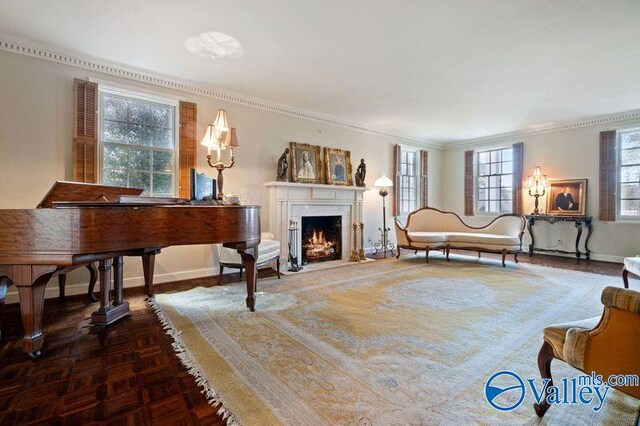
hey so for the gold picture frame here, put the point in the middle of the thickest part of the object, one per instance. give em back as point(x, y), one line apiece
point(567, 197)
point(306, 163)
point(337, 167)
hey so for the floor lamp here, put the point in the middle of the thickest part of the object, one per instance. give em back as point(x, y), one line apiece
point(384, 245)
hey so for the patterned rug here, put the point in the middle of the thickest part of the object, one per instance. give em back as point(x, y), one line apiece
point(389, 342)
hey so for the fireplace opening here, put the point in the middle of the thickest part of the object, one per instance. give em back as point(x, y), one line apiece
point(321, 238)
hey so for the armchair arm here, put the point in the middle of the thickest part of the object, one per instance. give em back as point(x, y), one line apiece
point(402, 236)
point(621, 298)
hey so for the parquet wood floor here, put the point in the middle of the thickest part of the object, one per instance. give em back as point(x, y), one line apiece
point(123, 374)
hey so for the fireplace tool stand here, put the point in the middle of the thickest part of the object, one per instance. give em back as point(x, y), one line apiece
point(384, 245)
point(293, 247)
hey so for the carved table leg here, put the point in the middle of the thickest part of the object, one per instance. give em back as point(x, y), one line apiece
point(31, 282)
point(249, 262)
point(589, 226)
point(530, 224)
point(148, 263)
point(579, 228)
point(93, 279)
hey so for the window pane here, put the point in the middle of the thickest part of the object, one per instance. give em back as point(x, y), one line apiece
point(141, 112)
point(630, 140)
point(403, 168)
point(494, 206)
point(507, 168)
point(114, 177)
point(507, 154)
point(483, 182)
point(114, 107)
point(140, 180)
point(506, 206)
point(114, 131)
point(114, 157)
point(162, 184)
point(630, 190)
point(495, 168)
point(139, 135)
point(494, 194)
point(139, 159)
point(507, 181)
point(505, 193)
point(494, 181)
point(630, 208)
point(162, 138)
point(162, 161)
point(483, 169)
point(630, 174)
point(630, 156)
point(495, 156)
point(482, 194)
point(483, 207)
point(483, 157)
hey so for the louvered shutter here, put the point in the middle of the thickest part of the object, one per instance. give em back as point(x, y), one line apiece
point(85, 132)
point(424, 178)
point(396, 179)
point(608, 173)
point(468, 183)
point(188, 149)
point(518, 158)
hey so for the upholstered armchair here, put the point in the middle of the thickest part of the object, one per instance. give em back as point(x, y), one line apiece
point(631, 265)
point(268, 252)
point(605, 345)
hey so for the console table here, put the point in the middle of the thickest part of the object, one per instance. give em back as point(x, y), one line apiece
point(580, 223)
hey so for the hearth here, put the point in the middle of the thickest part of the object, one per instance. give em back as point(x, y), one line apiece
point(321, 238)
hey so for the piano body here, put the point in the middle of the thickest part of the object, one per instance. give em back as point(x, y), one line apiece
point(81, 223)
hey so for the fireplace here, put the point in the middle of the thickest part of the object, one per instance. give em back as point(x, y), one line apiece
point(321, 238)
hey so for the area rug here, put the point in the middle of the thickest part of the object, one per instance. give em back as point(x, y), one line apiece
point(390, 342)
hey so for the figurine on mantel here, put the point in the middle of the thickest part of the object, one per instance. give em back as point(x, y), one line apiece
point(283, 167)
point(361, 173)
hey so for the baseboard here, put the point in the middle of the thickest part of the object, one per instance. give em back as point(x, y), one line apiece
point(81, 288)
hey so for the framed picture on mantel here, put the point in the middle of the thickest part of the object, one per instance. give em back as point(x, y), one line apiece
point(307, 164)
point(567, 197)
point(337, 163)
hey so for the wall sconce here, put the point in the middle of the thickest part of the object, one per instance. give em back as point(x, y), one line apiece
point(220, 136)
point(537, 184)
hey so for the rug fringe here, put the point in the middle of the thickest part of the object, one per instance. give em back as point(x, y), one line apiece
point(190, 364)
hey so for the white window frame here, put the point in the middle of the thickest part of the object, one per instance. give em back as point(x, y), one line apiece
point(619, 216)
point(120, 90)
point(476, 178)
point(416, 175)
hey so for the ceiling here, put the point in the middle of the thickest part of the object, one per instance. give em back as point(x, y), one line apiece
point(431, 70)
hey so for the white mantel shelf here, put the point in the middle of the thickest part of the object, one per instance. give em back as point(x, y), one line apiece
point(293, 201)
point(315, 186)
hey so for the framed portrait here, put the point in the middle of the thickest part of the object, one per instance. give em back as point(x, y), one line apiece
point(306, 163)
point(337, 165)
point(567, 197)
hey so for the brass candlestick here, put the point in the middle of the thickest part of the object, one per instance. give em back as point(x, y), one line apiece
point(354, 251)
point(361, 251)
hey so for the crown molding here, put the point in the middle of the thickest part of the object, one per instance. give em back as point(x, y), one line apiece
point(46, 52)
point(514, 136)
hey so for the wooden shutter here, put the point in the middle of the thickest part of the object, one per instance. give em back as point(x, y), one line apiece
point(608, 173)
point(468, 183)
point(517, 177)
point(424, 178)
point(85, 132)
point(397, 155)
point(188, 148)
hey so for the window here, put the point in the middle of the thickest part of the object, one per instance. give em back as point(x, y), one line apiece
point(408, 181)
point(495, 181)
point(137, 144)
point(629, 174)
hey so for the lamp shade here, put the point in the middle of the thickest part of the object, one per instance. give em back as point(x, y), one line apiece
point(220, 123)
point(209, 137)
point(383, 182)
point(232, 140)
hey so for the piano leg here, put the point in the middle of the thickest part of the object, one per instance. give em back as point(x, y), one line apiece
point(109, 313)
point(148, 263)
point(31, 282)
point(249, 262)
point(4, 283)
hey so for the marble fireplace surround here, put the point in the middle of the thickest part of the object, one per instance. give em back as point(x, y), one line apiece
point(292, 201)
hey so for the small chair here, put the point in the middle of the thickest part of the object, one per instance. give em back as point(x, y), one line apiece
point(631, 265)
point(605, 345)
point(268, 252)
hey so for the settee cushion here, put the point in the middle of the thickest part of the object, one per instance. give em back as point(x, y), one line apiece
point(427, 237)
point(632, 264)
point(463, 238)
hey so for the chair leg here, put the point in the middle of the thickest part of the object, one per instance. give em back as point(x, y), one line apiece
point(220, 274)
point(240, 274)
point(625, 277)
point(504, 258)
point(447, 251)
point(479, 254)
point(426, 250)
point(398, 254)
point(515, 257)
point(545, 356)
point(278, 266)
point(62, 284)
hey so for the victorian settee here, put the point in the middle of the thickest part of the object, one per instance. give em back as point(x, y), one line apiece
point(432, 229)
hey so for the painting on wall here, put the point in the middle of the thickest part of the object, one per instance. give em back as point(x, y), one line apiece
point(567, 197)
point(337, 164)
point(307, 164)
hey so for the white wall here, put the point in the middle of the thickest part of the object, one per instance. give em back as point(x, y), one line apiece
point(35, 150)
point(567, 154)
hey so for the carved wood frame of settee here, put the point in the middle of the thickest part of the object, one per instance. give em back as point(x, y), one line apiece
point(448, 245)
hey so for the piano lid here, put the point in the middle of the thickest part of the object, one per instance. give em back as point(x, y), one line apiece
point(63, 191)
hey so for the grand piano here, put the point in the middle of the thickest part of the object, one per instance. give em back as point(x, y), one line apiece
point(78, 224)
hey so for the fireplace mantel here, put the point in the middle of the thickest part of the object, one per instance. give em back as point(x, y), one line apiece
point(291, 201)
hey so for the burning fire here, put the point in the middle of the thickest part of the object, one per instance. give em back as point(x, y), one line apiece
point(317, 246)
